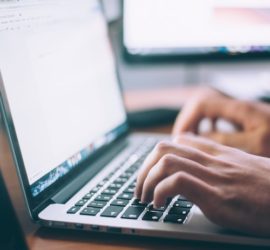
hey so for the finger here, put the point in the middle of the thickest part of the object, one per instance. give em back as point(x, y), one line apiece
point(193, 188)
point(213, 108)
point(162, 149)
point(200, 143)
point(189, 118)
point(169, 165)
point(237, 140)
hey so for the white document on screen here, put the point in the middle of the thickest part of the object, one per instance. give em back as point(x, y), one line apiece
point(59, 75)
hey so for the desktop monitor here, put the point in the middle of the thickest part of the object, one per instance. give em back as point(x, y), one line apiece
point(196, 28)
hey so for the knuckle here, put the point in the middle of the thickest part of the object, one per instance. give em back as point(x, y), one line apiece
point(166, 161)
point(179, 178)
point(163, 169)
point(179, 139)
point(162, 147)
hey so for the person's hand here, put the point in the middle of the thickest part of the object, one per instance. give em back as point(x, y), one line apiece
point(230, 186)
point(252, 120)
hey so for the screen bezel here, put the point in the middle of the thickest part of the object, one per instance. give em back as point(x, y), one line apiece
point(160, 55)
point(36, 203)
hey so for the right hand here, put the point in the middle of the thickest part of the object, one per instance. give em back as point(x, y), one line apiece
point(252, 120)
point(230, 186)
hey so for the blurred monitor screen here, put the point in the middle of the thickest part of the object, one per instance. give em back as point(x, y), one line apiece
point(196, 27)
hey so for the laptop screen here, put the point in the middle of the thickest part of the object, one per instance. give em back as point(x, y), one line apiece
point(61, 84)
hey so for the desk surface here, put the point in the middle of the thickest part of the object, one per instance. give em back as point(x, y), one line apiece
point(42, 238)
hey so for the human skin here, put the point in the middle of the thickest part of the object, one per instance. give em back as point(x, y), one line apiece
point(230, 186)
point(251, 120)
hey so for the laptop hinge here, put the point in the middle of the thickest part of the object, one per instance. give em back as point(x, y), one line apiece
point(90, 171)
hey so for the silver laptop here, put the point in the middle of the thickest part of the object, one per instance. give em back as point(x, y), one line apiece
point(67, 127)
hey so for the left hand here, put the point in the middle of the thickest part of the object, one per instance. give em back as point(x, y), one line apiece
point(230, 186)
point(251, 120)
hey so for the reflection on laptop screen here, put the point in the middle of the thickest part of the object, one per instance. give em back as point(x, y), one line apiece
point(60, 80)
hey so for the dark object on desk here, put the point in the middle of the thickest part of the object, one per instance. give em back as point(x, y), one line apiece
point(152, 117)
point(265, 99)
point(11, 237)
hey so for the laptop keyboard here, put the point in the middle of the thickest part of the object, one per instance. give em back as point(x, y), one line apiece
point(113, 197)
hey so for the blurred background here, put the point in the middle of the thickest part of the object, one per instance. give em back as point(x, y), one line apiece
point(222, 43)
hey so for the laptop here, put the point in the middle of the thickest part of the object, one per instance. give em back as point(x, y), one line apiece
point(11, 238)
point(65, 119)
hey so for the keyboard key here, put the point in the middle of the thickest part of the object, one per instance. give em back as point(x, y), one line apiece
point(125, 196)
point(138, 203)
point(97, 204)
point(130, 190)
point(91, 211)
point(112, 211)
point(152, 216)
point(179, 211)
point(103, 197)
point(132, 172)
point(81, 202)
point(115, 186)
point(121, 180)
point(121, 203)
point(126, 175)
point(132, 185)
point(89, 196)
point(183, 204)
point(73, 210)
point(181, 198)
point(132, 213)
point(103, 182)
point(174, 218)
point(117, 168)
point(96, 189)
point(109, 191)
point(132, 169)
point(111, 174)
point(160, 209)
